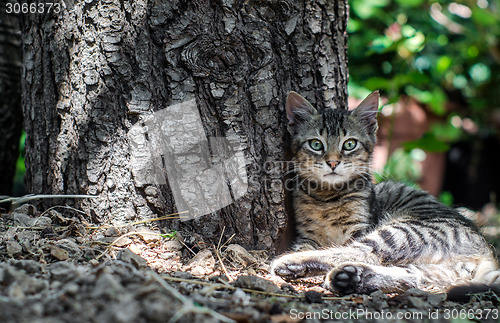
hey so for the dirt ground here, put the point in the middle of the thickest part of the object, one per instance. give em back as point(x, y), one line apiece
point(56, 267)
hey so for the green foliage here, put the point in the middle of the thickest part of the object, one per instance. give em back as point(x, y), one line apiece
point(403, 166)
point(425, 49)
point(170, 235)
point(428, 50)
point(20, 167)
point(446, 198)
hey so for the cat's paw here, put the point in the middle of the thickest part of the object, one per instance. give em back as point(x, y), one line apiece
point(349, 279)
point(298, 265)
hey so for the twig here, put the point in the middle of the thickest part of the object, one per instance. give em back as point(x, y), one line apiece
point(188, 304)
point(217, 253)
point(112, 244)
point(192, 281)
point(182, 243)
point(165, 217)
point(63, 207)
point(29, 197)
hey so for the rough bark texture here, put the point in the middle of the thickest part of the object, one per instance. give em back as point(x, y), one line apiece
point(10, 98)
point(100, 67)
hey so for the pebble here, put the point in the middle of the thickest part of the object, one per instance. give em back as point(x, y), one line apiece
point(13, 248)
point(417, 302)
point(239, 255)
point(202, 264)
point(59, 253)
point(128, 256)
point(147, 234)
point(111, 232)
point(41, 222)
point(23, 220)
point(27, 209)
point(256, 283)
point(313, 297)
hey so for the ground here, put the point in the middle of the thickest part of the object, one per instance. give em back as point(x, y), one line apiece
point(56, 267)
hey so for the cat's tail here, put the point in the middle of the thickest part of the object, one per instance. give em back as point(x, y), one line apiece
point(487, 284)
point(465, 293)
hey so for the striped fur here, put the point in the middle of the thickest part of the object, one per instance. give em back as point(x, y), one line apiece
point(368, 237)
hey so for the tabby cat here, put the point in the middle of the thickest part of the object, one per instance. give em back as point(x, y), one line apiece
point(368, 237)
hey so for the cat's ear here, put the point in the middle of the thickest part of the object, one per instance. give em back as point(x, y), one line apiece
point(366, 111)
point(298, 109)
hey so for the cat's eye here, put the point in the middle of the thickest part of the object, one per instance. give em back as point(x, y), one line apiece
point(350, 144)
point(316, 144)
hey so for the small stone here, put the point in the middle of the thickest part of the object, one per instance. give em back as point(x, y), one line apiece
point(30, 266)
point(182, 275)
point(256, 283)
point(379, 300)
point(173, 245)
point(107, 285)
point(288, 288)
point(27, 209)
point(59, 253)
point(10, 234)
point(436, 300)
point(62, 271)
point(313, 297)
point(240, 297)
point(23, 220)
point(415, 292)
point(147, 234)
point(417, 302)
point(16, 291)
point(136, 248)
point(59, 218)
point(71, 288)
point(73, 249)
point(41, 221)
point(13, 248)
point(122, 242)
point(127, 255)
point(111, 232)
point(202, 264)
point(239, 255)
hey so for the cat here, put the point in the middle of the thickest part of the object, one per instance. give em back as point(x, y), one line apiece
point(364, 236)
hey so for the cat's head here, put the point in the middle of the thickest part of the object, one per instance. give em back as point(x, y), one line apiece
point(332, 148)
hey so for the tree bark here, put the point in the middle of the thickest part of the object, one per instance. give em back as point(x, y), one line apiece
point(10, 99)
point(97, 73)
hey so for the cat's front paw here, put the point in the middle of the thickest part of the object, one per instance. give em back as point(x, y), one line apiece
point(349, 279)
point(298, 265)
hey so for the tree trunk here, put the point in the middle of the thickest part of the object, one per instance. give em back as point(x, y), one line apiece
point(10, 98)
point(119, 93)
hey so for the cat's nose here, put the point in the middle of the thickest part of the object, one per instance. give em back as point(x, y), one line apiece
point(333, 163)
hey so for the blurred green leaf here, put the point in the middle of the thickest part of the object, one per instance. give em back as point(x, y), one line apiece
point(415, 42)
point(443, 63)
point(446, 132)
point(484, 17)
point(410, 3)
point(435, 98)
point(446, 198)
point(367, 8)
point(428, 143)
point(353, 25)
point(381, 44)
point(402, 167)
